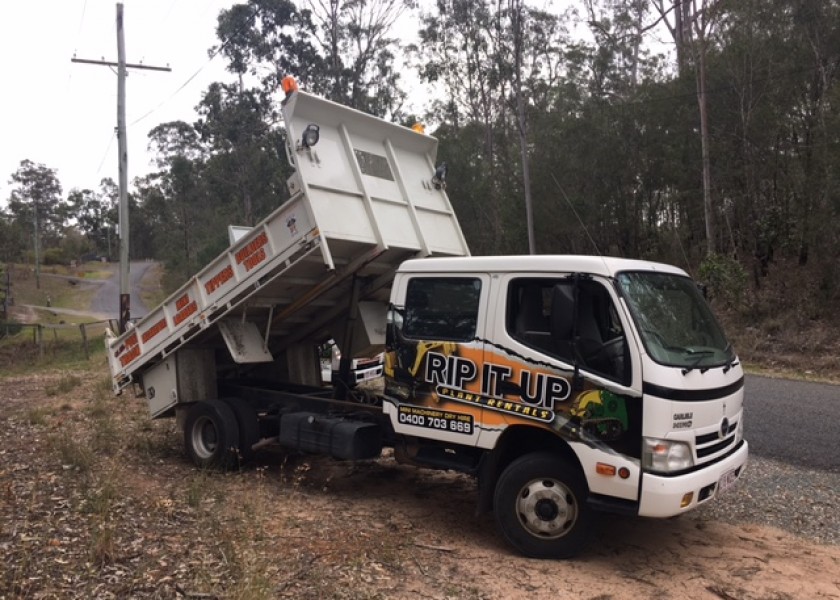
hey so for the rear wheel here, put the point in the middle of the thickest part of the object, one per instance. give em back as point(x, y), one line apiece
point(248, 425)
point(540, 506)
point(211, 435)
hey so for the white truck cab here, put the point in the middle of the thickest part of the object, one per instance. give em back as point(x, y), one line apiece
point(611, 374)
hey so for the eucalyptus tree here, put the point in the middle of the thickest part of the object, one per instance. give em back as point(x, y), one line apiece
point(606, 143)
point(91, 213)
point(693, 31)
point(814, 122)
point(36, 203)
point(495, 64)
point(246, 166)
point(777, 76)
point(12, 239)
point(341, 49)
point(180, 190)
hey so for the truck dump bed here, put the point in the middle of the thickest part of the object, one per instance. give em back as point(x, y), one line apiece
point(363, 201)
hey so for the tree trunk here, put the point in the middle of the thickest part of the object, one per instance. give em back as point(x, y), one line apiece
point(516, 16)
point(704, 145)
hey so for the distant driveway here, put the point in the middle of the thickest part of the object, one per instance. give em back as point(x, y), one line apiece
point(106, 301)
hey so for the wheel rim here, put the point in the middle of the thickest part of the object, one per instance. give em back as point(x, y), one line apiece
point(205, 437)
point(546, 508)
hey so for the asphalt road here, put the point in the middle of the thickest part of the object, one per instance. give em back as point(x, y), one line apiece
point(794, 422)
point(106, 301)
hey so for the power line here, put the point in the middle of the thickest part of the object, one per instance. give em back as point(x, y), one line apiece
point(175, 93)
point(81, 22)
point(168, 13)
point(107, 149)
point(76, 43)
point(180, 88)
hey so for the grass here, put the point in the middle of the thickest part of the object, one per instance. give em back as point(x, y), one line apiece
point(62, 348)
point(196, 489)
point(64, 385)
point(73, 453)
point(103, 546)
point(100, 497)
point(59, 286)
point(38, 415)
point(62, 342)
point(152, 291)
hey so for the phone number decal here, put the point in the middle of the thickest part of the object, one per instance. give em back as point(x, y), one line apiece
point(436, 419)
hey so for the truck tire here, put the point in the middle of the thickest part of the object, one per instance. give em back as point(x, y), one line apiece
point(211, 435)
point(248, 425)
point(540, 506)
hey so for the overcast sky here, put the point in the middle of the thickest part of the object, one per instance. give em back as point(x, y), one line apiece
point(64, 114)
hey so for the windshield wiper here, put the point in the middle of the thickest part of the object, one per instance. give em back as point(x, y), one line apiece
point(729, 365)
point(700, 355)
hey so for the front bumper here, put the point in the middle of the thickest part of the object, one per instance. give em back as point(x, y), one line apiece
point(662, 496)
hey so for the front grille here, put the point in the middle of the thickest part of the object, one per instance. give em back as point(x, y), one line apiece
point(709, 450)
point(709, 444)
point(708, 438)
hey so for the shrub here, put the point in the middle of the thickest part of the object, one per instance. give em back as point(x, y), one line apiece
point(9, 328)
point(725, 277)
point(53, 256)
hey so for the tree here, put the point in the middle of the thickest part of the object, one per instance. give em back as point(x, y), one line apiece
point(692, 30)
point(179, 181)
point(36, 199)
point(353, 37)
point(12, 238)
point(497, 64)
point(95, 217)
point(242, 152)
point(339, 49)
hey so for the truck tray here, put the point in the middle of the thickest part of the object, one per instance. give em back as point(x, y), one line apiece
point(363, 201)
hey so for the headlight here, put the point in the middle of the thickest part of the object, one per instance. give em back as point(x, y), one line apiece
point(665, 456)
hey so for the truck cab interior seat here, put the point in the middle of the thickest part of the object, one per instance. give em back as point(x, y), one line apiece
point(531, 325)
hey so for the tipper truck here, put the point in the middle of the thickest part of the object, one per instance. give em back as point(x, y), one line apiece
point(566, 385)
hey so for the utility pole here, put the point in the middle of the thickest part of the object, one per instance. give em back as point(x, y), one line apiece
point(125, 292)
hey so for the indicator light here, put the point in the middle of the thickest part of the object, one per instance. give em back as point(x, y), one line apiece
point(605, 469)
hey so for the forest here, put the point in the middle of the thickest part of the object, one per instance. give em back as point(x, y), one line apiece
point(702, 133)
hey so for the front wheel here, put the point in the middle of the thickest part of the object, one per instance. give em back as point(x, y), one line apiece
point(540, 506)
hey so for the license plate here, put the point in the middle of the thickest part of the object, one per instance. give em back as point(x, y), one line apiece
point(727, 480)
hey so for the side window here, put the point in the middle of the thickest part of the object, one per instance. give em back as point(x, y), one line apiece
point(529, 313)
point(442, 308)
point(571, 319)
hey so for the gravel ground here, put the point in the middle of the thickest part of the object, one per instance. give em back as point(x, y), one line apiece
point(793, 498)
point(96, 501)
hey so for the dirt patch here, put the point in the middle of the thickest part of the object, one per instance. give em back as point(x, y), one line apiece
point(98, 501)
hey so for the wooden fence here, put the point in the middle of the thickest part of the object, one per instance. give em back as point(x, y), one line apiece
point(42, 337)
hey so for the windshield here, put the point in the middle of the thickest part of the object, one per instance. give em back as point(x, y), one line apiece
point(675, 323)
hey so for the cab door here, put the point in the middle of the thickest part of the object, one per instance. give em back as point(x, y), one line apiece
point(572, 327)
point(433, 366)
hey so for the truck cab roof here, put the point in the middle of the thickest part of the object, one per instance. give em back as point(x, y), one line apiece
point(548, 263)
